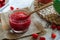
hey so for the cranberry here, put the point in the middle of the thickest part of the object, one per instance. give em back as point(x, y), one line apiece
point(42, 38)
point(58, 27)
point(53, 35)
point(35, 35)
point(11, 8)
point(53, 26)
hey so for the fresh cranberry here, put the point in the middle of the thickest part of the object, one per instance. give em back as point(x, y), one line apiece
point(35, 35)
point(53, 26)
point(53, 35)
point(11, 8)
point(58, 27)
point(42, 38)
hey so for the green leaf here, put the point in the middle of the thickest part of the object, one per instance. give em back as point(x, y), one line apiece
point(57, 5)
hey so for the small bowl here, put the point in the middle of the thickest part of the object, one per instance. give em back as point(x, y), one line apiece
point(6, 4)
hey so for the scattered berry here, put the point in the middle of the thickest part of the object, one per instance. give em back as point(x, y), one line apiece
point(53, 35)
point(53, 26)
point(11, 8)
point(35, 35)
point(58, 27)
point(42, 38)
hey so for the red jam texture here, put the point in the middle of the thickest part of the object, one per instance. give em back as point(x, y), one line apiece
point(53, 35)
point(44, 1)
point(11, 8)
point(2, 3)
point(53, 26)
point(18, 22)
point(42, 38)
point(35, 35)
point(58, 27)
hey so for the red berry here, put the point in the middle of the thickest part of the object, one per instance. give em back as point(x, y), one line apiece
point(35, 35)
point(58, 27)
point(53, 26)
point(53, 35)
point(42, 38)
point(11, 8)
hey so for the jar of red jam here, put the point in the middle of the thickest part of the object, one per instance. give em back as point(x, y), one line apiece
point(19, 21)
